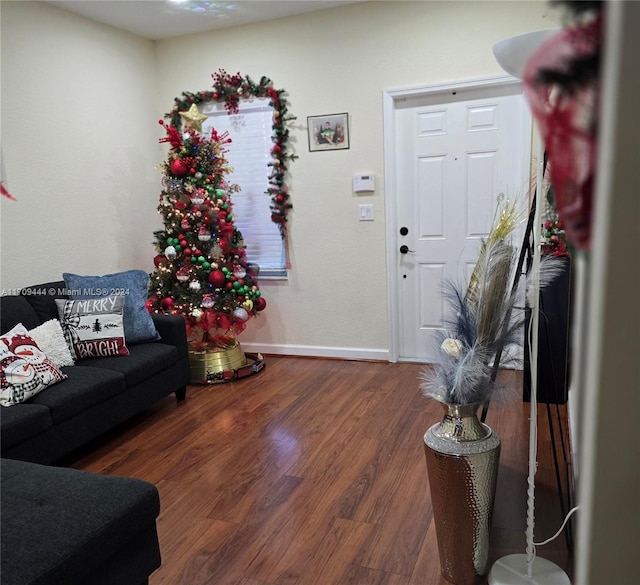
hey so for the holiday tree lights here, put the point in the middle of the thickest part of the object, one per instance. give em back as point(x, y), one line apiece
point(201, 270)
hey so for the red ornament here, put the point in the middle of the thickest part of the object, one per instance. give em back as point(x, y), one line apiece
point(259, 303)
point(178, 167)
point(217, 278)
point(158, 260)
point(151, 301)
point(167, 303)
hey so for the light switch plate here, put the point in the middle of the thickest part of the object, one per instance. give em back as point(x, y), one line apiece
point(366, 212)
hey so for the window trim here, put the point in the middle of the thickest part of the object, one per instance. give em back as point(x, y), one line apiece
point(230, 89)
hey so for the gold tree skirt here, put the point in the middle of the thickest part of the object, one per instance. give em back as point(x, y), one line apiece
point(213, 365)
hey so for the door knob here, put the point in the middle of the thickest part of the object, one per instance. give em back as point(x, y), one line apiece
point(404, 249)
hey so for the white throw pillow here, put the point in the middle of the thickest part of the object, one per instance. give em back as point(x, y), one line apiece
point(50, 339)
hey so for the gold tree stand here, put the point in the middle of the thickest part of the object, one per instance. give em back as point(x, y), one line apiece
point(214, 365)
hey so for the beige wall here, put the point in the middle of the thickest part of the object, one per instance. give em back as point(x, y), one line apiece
point(76, 136)
point(82, 160)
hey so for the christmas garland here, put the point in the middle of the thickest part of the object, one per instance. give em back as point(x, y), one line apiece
point(230, 89)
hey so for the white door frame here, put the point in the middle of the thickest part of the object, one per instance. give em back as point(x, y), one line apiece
point(389, 99)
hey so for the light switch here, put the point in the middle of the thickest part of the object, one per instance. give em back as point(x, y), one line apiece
point(366, 212)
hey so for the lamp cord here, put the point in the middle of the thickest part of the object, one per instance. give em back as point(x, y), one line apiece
point(566, 519)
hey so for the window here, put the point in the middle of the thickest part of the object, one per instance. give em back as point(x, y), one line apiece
point(249, 154)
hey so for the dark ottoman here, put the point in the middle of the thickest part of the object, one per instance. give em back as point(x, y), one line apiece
point(67, 527)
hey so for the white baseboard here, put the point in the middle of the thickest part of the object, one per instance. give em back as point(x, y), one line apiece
point(345, 353)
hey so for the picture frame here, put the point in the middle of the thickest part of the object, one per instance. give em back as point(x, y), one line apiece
point(328, 132)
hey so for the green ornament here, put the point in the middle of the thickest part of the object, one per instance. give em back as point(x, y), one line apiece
point(224, 269)
point(206, 265)
point(224, 206)
point(229, 217)
point(193, 259)
point(219, 192)
point(257, 293)
point(201, 259)
point(236, 285)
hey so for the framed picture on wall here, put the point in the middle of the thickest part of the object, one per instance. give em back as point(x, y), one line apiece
point(328, 132)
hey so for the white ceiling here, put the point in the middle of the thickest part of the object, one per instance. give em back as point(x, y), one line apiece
point(162, 19)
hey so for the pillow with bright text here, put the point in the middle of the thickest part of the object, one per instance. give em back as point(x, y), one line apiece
point(25, 370)
point(132, 285)
point(50, 339)
point(93, 327)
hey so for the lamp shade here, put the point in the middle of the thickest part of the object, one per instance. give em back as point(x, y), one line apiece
point(513, 53)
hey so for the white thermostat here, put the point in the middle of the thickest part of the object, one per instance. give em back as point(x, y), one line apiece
point(363, 183)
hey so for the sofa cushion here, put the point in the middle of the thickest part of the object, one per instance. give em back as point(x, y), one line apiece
point(93, 327)
point(25, 369)
point(69, 522)
point(22, 423)
point(16, 309)
point(144, 360)
point(42, 297)
point(133, 285)
point(83, 388)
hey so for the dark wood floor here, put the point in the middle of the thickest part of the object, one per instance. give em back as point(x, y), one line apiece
point(313, 473)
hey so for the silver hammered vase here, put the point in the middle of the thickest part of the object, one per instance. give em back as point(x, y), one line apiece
point(462, 462)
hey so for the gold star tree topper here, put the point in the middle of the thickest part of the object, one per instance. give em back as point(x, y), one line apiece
point(193, 118)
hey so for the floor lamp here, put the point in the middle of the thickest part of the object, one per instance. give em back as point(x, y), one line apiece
point(528, 569)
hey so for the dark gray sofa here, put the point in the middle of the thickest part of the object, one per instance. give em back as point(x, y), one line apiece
point(63, 526)
point(99, 392)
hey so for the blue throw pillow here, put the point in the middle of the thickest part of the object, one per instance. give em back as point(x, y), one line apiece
point(133, 285)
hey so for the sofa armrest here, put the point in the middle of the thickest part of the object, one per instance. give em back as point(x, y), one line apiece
point(172, 329)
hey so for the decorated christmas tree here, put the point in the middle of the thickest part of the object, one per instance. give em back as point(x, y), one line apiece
point(201, 271)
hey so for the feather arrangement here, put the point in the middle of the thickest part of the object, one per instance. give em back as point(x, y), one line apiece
point(484, 317)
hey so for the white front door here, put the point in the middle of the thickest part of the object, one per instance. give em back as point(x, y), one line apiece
point(454, 154)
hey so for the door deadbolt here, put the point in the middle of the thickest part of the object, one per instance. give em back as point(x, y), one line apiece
point(404, 231)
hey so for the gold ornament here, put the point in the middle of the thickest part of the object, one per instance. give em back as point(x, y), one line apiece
point(193, 118)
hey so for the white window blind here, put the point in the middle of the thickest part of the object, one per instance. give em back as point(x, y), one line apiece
point(249, 153)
